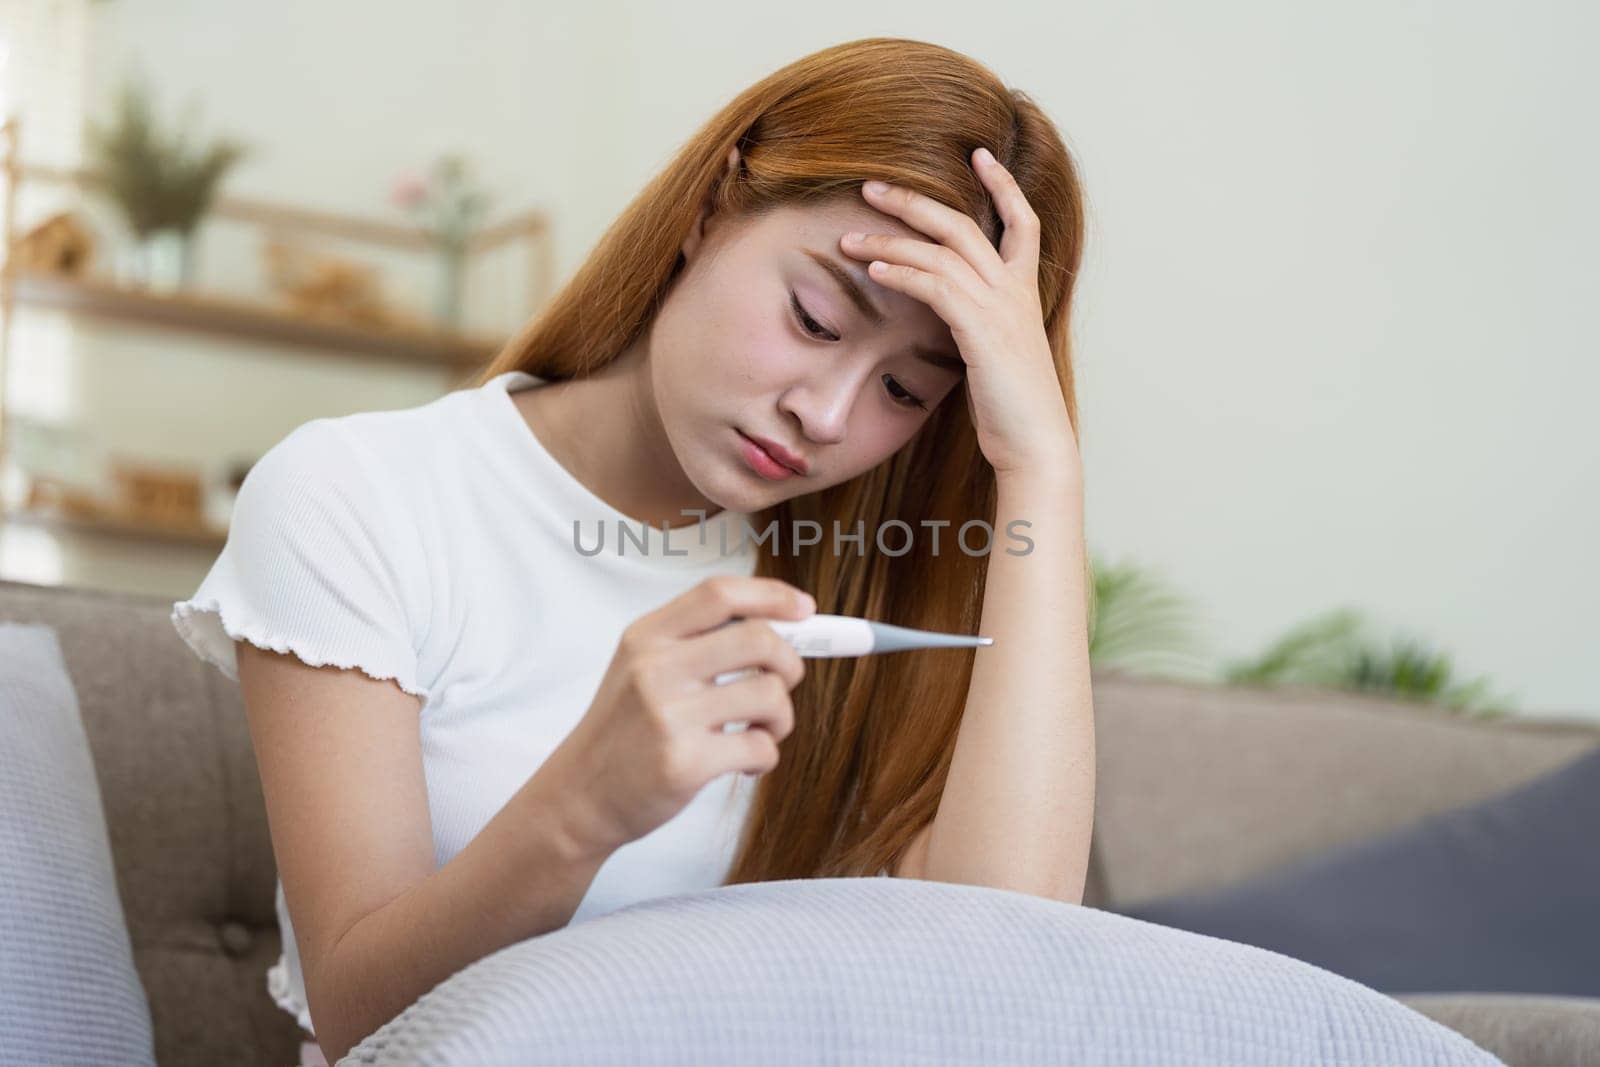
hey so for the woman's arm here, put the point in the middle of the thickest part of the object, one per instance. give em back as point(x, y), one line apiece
point(1018, 806)
point(377, 923)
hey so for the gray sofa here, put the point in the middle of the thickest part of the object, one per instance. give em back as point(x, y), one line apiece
point(1197, 787)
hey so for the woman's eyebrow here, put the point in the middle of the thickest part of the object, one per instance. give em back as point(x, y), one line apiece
point(857, 295)
point(853, 289)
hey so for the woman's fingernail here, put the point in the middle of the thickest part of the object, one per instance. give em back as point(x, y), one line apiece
point(984, 156)
point(876, 187)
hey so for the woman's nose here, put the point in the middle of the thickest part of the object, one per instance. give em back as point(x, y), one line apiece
point(823, 405)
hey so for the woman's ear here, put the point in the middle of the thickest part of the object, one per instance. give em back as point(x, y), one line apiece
point(702, 221)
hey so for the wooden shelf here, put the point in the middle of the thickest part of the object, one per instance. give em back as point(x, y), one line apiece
point(239, 316)
point(194, 534)
point(213, 315)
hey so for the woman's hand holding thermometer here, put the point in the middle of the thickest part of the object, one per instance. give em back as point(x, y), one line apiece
point(655, 733)
point(685, 682)
point(826, 636)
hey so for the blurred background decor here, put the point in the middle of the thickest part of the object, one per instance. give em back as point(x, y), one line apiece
point(74, 477)
point(61, 244)
point(1342, 649)
point(325, 285)
point(130, 410)
point(1141, 625)
point(161, 183)
point(451, 207)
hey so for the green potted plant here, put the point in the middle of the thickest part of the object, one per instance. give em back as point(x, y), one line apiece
point(1339, 649)
point(1139, 624)
point(162, 185)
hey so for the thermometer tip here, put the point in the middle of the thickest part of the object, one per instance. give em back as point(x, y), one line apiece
point(985, 640)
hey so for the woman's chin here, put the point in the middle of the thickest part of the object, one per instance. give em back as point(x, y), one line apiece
point(744, 498)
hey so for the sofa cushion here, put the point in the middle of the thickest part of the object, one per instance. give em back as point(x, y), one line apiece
point(1520, 1028)
point(69, 992)
point(897, 970)
point(1499, 896)
point(1201, 786)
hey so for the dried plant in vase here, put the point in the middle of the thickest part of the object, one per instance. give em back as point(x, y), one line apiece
point(161, 184)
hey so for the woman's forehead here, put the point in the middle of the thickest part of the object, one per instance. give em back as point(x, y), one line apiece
point(827, 221)
point(817, 227)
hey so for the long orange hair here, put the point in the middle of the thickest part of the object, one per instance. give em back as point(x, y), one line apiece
point(873, 736)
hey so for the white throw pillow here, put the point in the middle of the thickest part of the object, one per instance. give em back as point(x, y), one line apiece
point(898, 970)
point(69, 992)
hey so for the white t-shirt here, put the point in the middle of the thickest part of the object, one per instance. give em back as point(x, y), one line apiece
point(435, 545)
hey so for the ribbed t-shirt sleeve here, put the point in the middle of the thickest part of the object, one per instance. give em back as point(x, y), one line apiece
point(315, 564)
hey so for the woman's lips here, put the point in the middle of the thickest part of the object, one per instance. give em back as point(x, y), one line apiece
point(761, 461)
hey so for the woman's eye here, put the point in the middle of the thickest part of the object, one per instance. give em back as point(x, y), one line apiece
point(811, 326)
point(807, 323)
point(903, 398)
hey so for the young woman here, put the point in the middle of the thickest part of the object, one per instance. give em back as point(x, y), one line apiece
point(772, 389)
